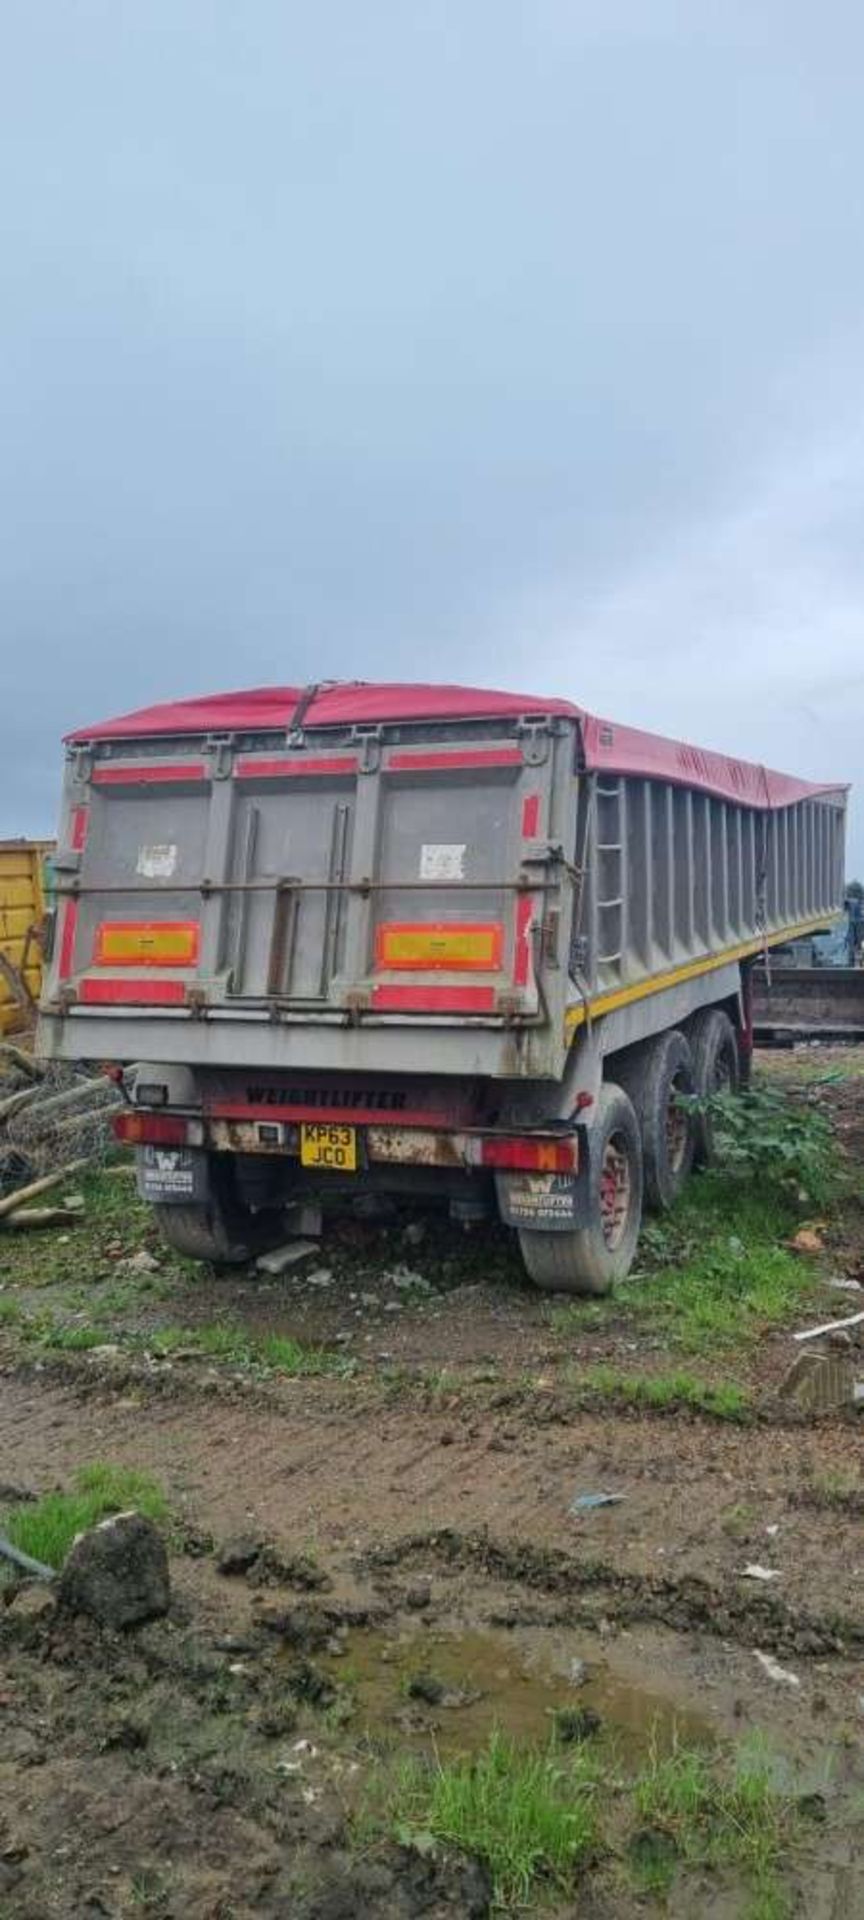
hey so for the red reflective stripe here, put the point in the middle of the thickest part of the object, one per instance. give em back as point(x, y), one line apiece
point(441, 762)
point(522, 957)
point(530, 815)
point(67, 939)
point(331, 1116)
point(158, 993)
point(433, 999)
point(248, 768)
point(78, 828)
point(181, 771)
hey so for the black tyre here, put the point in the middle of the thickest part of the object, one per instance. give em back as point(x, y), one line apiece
point(658, 1077)
point(200, 1232)
point(716, 1069)
point(590, 1259)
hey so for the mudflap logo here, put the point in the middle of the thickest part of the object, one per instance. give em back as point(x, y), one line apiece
point(170, 1173)
point(538, 1199)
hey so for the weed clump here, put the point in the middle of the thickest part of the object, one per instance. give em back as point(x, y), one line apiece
point(46, 1528)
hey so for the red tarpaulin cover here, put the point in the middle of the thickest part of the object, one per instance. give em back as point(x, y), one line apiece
point(606, 745)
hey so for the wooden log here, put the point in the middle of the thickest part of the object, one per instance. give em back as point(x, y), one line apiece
point(15, 1101)
point(24, 1061)
point(82, 1123)
point(44, 1217)
point(12, 1201)
point(90, 1093)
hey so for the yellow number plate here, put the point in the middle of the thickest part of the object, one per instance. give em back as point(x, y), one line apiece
point(333, 1147)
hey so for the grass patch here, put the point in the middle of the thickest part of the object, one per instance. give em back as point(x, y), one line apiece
point(717, 1272)
point(538, 1817)
point(838, 1490)
point(717, 1813)
point(666, 1392)
point(225, 1341)
point(529, 1815)
point(70, 1339)
point(46, 1528)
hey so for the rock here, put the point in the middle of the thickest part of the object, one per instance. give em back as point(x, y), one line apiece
point(407, 1282)
point(807, 1240)
point(419, 1596)
point(12, 1495)
point(281, 1258)
point(818, 1381)
point(277, 1720)
point(321, 1278)
point(428, 1688)
point(141, 1262)
point(126, 1735)
point(117, 1572)
point(302, 1627)
point(575, 1724)
point(239, 1553)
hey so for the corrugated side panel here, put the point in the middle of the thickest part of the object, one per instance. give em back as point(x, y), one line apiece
point(675, 878)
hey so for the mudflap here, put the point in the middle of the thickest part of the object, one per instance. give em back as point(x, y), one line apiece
point(177, 1176)
point(555, 1202)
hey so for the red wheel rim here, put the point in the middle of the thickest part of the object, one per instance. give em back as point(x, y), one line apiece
point(615, 1191)
point(677, 1126)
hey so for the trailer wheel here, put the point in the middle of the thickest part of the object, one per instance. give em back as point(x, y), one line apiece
point(590, 1259)
point(200, 1232)
point(656, 1077)
point(716, 1069)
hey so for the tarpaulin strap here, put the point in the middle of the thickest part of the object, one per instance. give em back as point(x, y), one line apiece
point(308, 696)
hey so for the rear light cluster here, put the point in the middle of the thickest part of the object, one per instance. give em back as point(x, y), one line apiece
point(527, 1155)
point(136, 1129)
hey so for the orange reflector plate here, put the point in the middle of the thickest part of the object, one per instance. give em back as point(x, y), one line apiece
point(449, 945)
point(147, 943)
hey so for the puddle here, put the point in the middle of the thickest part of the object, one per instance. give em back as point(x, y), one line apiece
point(454, 1688)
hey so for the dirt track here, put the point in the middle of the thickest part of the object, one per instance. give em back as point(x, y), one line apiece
point(387, 1483)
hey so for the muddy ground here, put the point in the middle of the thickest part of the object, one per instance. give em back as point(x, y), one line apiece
point(407, 1514)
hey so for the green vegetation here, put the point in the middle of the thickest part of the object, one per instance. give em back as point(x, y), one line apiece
point(779, 1142)
point(664, 1392)
point(719, 1271)
point(227, 1341)
point(216, 1340)
point(75, 1339)
point(714, 1274)
point(46, 1528)
point(710, 1813)
point(528, 1815)
point(539, 1817)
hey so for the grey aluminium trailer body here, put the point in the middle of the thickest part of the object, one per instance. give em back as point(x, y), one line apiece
point(406, 939)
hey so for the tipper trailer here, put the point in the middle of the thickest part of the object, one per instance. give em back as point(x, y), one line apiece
point(420, 941)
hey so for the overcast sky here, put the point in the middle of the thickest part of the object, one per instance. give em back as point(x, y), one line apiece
point(518, 343)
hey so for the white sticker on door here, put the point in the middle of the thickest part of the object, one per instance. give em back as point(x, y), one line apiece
point(439, 862)
point(156, 863)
